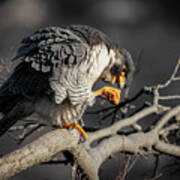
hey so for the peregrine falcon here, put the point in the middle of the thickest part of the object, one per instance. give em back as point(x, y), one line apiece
point(56, 71)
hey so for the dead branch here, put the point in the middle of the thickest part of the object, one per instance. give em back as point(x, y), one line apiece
point(40, 150)
point(91, 158)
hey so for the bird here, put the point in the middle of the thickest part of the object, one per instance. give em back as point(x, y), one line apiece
point(57, 68)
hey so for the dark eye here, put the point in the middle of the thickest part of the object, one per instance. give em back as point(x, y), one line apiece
point(116, 69)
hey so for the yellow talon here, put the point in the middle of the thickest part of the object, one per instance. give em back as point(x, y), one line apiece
point(112, 94)
point(77, 126)
point(81, 130)
point(98, 92)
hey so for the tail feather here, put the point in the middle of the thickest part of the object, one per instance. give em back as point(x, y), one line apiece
point(6, 123)
point(15, 110)
point(7, 103)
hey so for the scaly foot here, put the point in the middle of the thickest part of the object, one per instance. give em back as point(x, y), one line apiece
point(77, 126)
point(112, 94)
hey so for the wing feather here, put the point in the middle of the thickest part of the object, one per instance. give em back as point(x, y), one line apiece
point(49, 48)
point(43, 57)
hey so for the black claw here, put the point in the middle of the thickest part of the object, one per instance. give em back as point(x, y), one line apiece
point(81, 139)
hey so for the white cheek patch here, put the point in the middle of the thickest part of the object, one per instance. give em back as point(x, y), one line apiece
point(103, 59)
point(100, 59)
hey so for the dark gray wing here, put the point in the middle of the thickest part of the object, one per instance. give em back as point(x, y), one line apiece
point(27, 82)
point(42, 56)
point(49, 48)
point(24, 82)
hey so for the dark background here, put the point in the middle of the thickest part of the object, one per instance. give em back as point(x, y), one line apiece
point(152, 27)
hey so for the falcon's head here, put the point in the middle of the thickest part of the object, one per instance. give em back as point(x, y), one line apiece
point(121, 69)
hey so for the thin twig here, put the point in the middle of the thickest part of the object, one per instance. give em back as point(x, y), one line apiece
point(172, 78)
point(166, 118)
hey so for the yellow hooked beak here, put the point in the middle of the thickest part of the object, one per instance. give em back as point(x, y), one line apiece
point(120, 80)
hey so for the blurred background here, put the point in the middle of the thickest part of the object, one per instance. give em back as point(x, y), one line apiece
point(152, 27)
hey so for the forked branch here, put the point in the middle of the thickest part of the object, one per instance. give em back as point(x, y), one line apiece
point(108, 140)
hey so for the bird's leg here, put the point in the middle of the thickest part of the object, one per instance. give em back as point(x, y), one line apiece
point(77, 126)
point(112, 94)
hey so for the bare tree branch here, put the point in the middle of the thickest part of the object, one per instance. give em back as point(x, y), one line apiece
point(37, 152)
point(90, 159)
point(168, 148)
point(108, 141)
point(166, 118)
point(121, 124)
